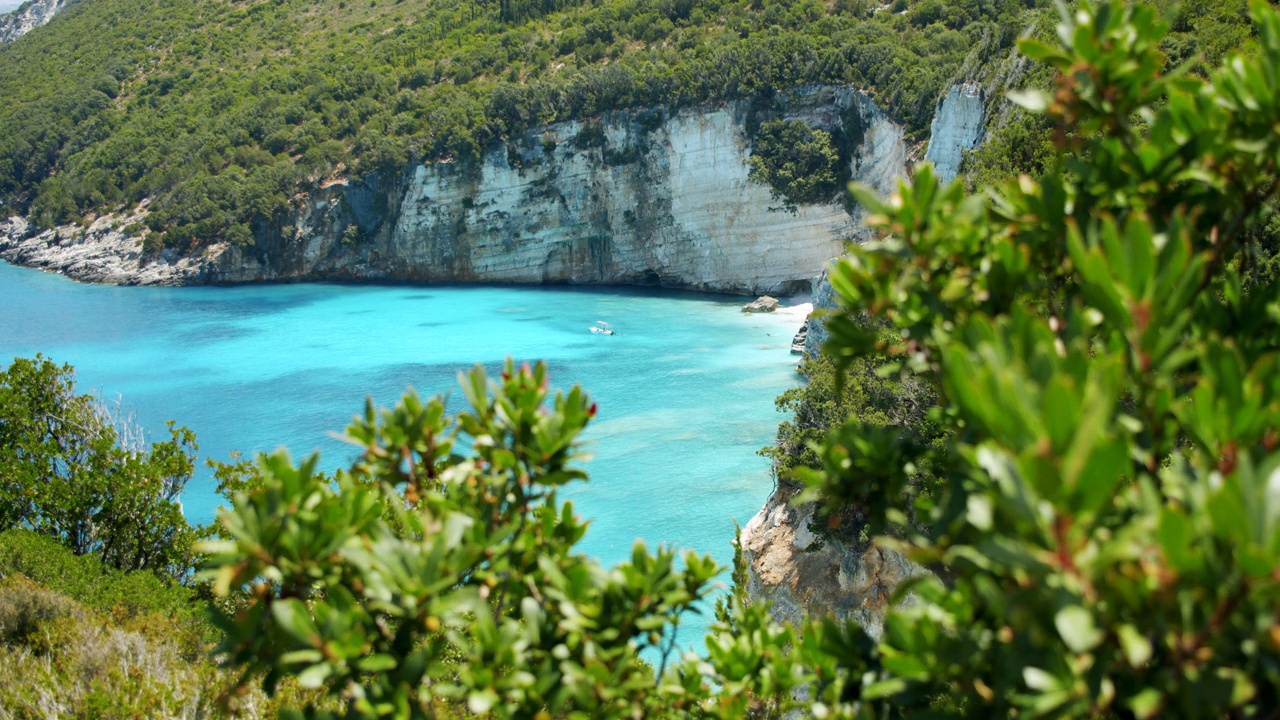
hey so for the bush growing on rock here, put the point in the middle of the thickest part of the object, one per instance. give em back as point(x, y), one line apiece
point(800, 163)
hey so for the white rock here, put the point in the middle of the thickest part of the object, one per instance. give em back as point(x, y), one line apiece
point(957, 128)
point(28, 17)
point(669, 203)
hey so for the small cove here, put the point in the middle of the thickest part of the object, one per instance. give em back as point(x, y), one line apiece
point(685, 391)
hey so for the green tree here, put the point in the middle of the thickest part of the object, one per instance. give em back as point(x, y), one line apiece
point(71, 470)
point(800, 163)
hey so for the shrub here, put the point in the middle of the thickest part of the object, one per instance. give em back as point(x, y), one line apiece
point(1106, 516)
point(71, 470)
point(800, 163)
point(25, 607)
point(94, 585)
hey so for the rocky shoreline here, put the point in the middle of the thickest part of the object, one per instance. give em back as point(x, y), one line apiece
point(100, 253)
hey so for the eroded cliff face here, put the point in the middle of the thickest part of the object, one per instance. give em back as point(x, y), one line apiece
point(633, 198)
point(805, 573)
point(638, 197)
point(28, 17)
point(957, 128)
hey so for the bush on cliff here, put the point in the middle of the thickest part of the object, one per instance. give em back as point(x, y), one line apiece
point(800, 163)
point(1108, 513)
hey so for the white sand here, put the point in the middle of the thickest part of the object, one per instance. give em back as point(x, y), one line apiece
point(797, 306)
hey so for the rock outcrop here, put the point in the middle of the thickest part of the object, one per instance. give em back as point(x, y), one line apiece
point(99, 253)
point(803, 572)
point(762, 304)
point(638, 197)
point(957, 128)
point(28, 17)
point(824, 301)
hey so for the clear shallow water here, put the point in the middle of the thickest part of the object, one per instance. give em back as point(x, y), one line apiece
point(685, 393)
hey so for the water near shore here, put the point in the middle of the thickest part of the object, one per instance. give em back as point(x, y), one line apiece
point(685, 391)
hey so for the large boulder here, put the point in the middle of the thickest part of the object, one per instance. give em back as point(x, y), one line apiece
point(764, 303)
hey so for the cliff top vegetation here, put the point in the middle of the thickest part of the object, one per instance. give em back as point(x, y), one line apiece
point(219, 111)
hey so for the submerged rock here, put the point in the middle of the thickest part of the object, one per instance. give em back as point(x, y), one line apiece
point(762, 304)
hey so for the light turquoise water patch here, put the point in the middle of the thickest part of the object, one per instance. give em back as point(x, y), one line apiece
point(685, 392)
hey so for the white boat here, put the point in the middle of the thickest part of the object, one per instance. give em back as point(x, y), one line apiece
point(602, 328)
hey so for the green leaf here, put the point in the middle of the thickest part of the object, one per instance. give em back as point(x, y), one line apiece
point(295, 619)
point(1036, 101)
point(1076, 626)
point(1137, 649)
point(314, 676)
point(1146, 703)
point(1038, 679)
point(377, 663)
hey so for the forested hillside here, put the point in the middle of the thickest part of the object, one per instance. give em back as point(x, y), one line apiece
point(218, 111)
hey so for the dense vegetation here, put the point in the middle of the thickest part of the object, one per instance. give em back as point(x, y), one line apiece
point(801, 163)
point(219, 111)
point(81, 639)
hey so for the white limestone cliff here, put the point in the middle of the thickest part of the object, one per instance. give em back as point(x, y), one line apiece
point(28, 17)
point(638, 197)
point(957, 128)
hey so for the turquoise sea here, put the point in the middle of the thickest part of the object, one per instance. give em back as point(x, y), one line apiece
point(685, 391)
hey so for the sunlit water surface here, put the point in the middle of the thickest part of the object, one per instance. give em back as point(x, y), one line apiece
point(685, 392)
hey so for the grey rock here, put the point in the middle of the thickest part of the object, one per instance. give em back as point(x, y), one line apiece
point(807, 574)
point(99, 253)
point(663, 199)
point(762, 304)
point(957, 128)
point(824, 303)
